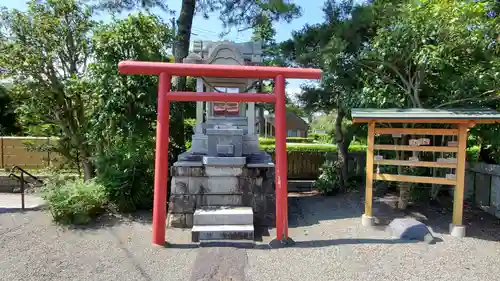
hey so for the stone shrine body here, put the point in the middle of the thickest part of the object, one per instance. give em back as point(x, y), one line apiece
point(224, 184)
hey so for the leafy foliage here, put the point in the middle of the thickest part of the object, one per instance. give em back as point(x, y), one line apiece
point(267, 141)
point(8, 122)
point(124, 121)
point(74, 201)
point(45, 52)
point(126, 171)
point(301, 147)
point(322, 138)
point(328, 182)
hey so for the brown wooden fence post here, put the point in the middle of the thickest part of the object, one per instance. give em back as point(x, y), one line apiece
point(1, 144)
point(48, 152)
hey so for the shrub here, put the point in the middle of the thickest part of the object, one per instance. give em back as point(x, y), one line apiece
point(127, 172)
point(267, 141)
point(74, 201)
point(328, 182)
point(299, 140)
point(313, 148)
point(322, 138)
point(473, 153)
point(272, 141)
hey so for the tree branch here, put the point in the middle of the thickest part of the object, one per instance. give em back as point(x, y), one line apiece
point(471, 98)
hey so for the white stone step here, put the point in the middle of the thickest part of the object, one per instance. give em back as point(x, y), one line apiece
point(222, 232)
point(225, 215)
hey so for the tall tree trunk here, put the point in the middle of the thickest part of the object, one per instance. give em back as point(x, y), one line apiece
point(183, 38)
point(88, 166)
point(342, 161)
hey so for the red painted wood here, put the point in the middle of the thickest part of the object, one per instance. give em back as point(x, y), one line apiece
point(281, 162)
point(231, 97)
point(216, 70)
point(161, 162)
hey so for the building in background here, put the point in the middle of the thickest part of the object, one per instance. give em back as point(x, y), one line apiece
point(296, 126)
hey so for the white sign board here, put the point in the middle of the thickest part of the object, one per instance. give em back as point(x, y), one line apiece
point(414, 159)
point(414, 142)
point(425, 141)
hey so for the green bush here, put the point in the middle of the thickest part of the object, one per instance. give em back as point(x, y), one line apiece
point(328, 182)
point(299, 140)
point(472, 152)
point(322, 138)
point(74, 201)
point(127, 172)
point(267, 141)
point(272, 141)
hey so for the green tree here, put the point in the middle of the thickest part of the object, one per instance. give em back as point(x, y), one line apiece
point(335, 46)
point(45, 52)
point(435, 54)
point(124, 120)
point(232, 13)
point(8, 122)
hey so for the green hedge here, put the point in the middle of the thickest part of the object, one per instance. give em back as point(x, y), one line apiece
point(472, 152)
point(314, 148)
point(272, 141)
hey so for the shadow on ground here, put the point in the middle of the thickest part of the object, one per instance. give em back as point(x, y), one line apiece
point(438, 215)
point(19, 210)
point(111, 219)
point(298, 244)
point(312, 208)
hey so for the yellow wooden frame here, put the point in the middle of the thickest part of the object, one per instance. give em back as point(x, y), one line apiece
point(460, 150)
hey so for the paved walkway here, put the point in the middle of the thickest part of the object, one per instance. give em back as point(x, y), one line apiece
point(12, 201)
point(331, 245)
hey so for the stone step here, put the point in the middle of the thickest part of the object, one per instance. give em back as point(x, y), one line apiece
point(224, 215)
point(222, 232)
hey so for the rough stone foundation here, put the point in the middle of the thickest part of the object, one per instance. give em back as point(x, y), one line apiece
point(194, 187)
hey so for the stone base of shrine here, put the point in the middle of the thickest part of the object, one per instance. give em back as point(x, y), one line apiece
point(196, 186)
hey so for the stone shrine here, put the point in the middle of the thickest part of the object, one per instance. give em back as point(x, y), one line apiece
point(223, 185)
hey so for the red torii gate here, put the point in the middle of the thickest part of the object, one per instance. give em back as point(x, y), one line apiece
point(165, 71)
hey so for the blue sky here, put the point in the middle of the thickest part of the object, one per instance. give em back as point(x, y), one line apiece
point(210, 29)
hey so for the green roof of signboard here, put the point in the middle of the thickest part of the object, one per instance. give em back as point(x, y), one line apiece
point(476, 114)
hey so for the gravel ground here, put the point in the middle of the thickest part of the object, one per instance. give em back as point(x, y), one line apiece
point(330, 245)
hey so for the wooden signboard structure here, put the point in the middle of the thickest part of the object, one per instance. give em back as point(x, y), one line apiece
point(460, 120)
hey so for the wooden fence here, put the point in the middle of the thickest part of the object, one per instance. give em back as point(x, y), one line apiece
point(19, 151)
point(307, 165)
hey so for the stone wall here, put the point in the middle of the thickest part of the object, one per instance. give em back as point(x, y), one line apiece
point(194, 187)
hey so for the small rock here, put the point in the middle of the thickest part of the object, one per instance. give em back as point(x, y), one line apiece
point(410, 229)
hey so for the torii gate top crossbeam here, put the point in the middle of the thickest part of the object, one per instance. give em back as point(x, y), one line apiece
point(216, 70)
